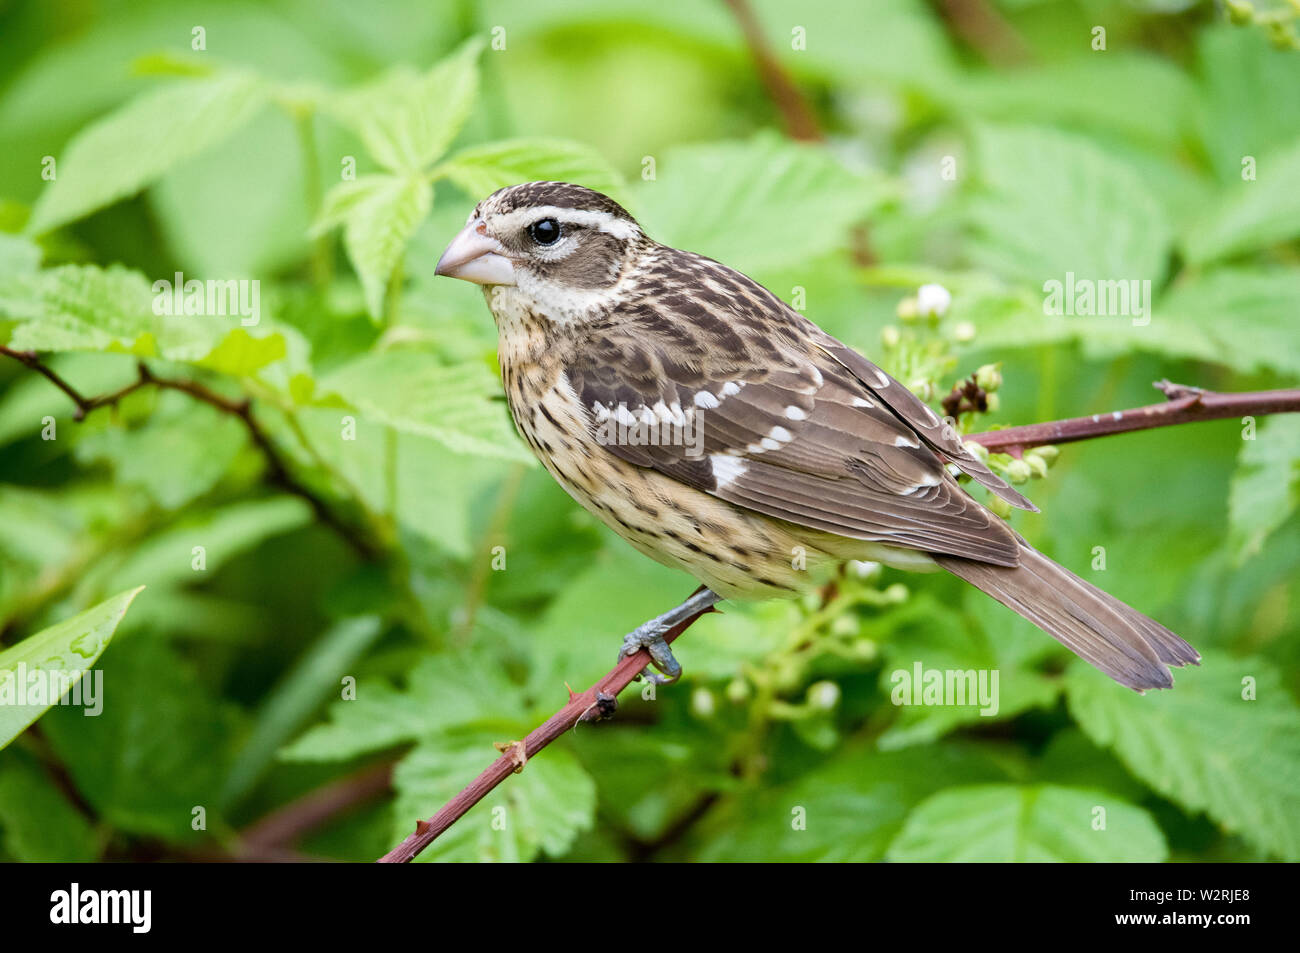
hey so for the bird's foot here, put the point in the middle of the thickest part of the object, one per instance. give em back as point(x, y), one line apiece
point(650, 636)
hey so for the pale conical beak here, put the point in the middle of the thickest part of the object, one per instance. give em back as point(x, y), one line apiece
point(475, 256)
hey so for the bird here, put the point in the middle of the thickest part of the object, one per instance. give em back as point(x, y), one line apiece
point(719, 431)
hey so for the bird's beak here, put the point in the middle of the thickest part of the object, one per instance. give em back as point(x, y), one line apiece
point(475, 256)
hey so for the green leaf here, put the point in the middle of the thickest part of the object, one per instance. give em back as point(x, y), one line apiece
point(38, 823)
point(1086, 92)
point(18, 255)
point(943, 641)
point(88, 308)
point(763, 203)
point(167, 558)
point(68, 648)
point(541, 809)
point(1004, 823)
point(1251, 214)
point(313, 678)
point(1248, 101)
point(442, 692)
point(127, 150)
point(407, 119)
point(159, 749)
point(481, 170)
point(240, 354)
point(1205, 746)
point(1243, 318)
point(379, 214)
point(1265, 490)
point(406, 389)
point(847, 810)
point(80, 307)
point(176, 455)
point(1103, 223)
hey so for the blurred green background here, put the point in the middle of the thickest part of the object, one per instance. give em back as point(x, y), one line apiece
point(985, 146)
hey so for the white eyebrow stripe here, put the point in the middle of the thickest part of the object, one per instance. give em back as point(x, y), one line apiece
point(601, 221)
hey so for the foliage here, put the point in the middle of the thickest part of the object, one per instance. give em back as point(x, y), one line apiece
point(454, 589)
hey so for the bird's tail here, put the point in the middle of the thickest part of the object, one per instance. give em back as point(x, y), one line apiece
point(1119, 640)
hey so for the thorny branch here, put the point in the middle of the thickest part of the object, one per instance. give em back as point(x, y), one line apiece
point(1184, 405)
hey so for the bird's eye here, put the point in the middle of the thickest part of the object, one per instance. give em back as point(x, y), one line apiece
point(545, 232)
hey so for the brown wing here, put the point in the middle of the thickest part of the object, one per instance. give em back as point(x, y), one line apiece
point(768, 419)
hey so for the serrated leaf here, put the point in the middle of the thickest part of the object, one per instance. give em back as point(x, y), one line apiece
point(1251, 214)
point(408, 390)
point(847, 810)
point(481, 170)
point(1103, 224)
point(1265, 490)
point(178, 454)
point(407, 119)
point(442, 692)
point(88, 308)
point(541, 809)
point(1004, 823)
point(1243, 318)
point(69, 647)
point(762, 203)
point(379, 214)
point(79, 307)
point(127, 150)
point(1205, 746)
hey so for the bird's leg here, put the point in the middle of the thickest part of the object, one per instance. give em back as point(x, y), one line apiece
point(650, 636)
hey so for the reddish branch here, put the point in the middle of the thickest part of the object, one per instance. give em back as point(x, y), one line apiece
point(594, 704)
point(290, 822)
point(278, 473)
point(1185, 405)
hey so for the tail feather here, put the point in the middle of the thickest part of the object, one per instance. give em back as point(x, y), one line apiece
point(1129, 647)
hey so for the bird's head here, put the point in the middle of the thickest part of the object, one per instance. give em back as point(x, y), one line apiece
point(544, 238)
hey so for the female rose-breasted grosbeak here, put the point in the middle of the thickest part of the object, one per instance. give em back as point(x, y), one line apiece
point(786, 450)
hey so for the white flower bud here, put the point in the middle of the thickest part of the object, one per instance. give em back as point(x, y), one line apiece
point(737, 691)
point(823, 695)
point(703, 703)
point(989, 377)
point(1018, 471)
point(864, 569)
point(933, 300)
